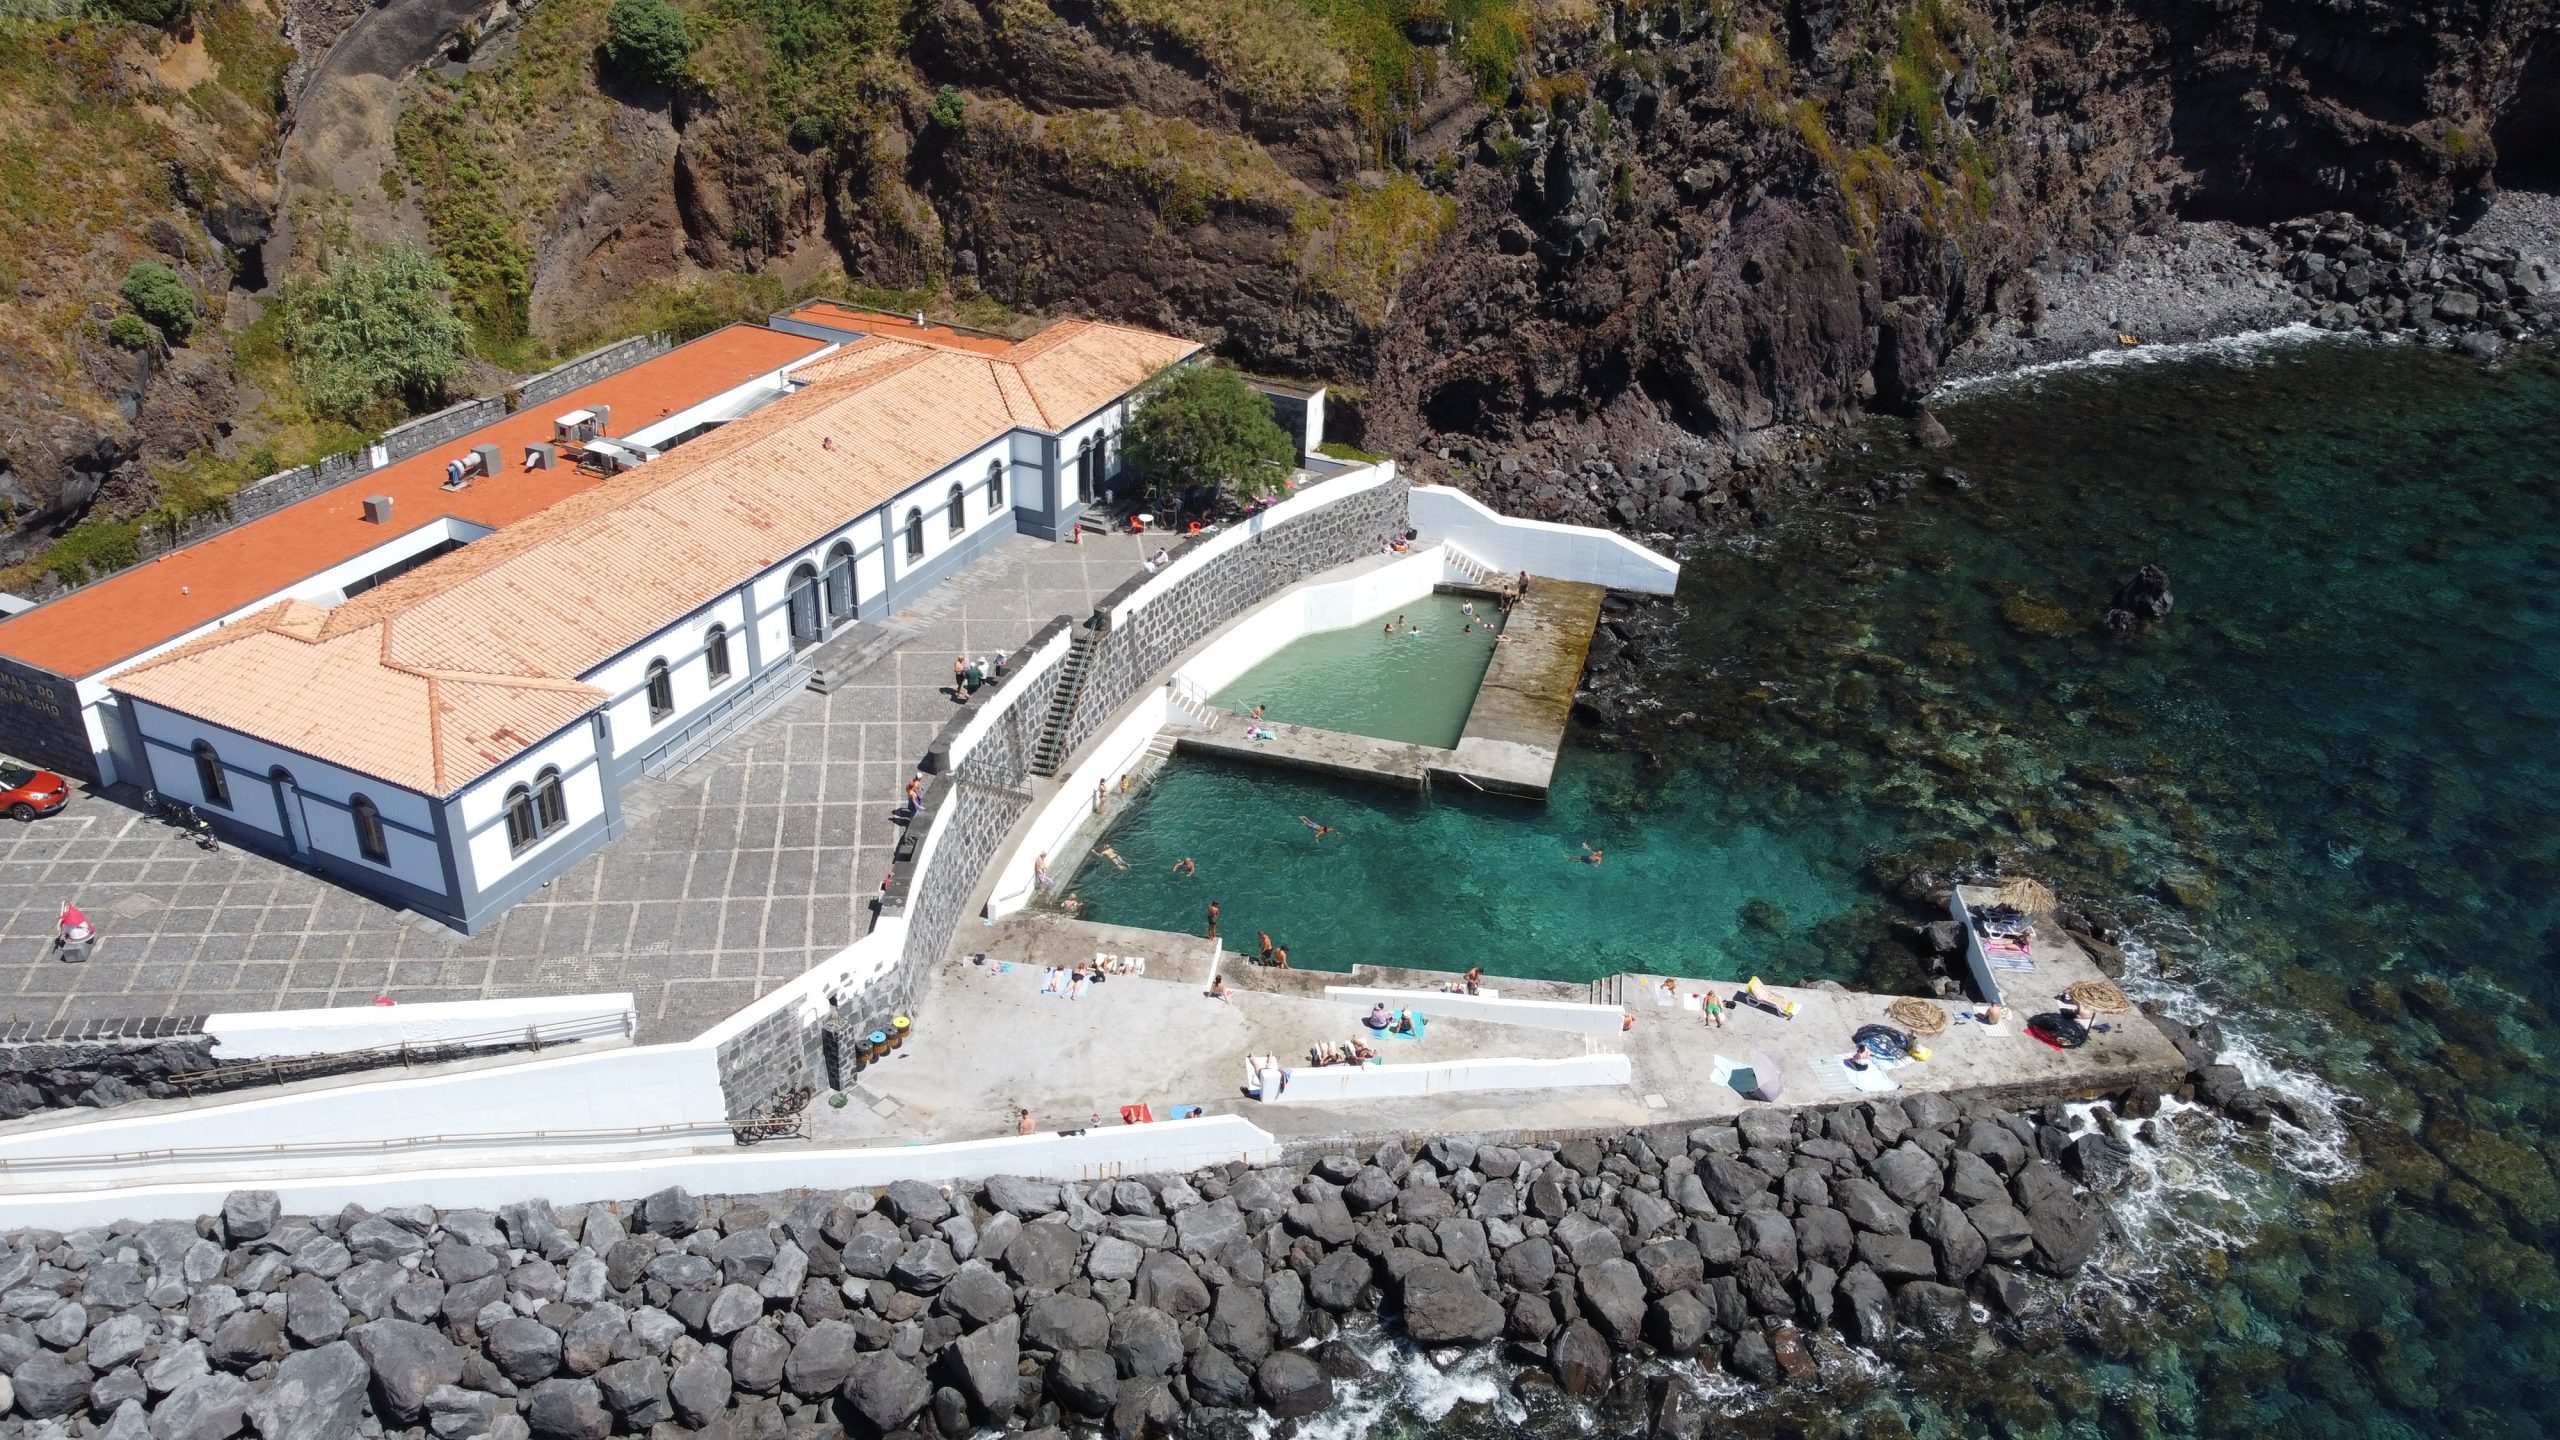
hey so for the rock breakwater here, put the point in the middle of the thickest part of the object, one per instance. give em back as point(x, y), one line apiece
point(1125, 1307)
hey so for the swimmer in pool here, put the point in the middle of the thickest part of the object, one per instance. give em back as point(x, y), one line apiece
point(1589, 855)
point(1321, 830)
point(1184, 866)
point(1107, 853)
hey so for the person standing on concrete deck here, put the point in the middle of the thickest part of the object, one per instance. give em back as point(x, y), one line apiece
point(1040, 871)
point(915, 795)
point(1524, 582)
point(1101, 790)
point(960, 679)
point(1265, 937)
point(1213, 919)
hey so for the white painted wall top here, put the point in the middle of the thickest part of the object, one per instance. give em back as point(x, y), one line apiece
point(1562, 552)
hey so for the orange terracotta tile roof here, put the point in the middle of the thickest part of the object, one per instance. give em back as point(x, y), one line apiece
point(475, 649)
point(122, 616)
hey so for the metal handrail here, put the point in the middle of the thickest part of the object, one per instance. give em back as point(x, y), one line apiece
point(318, 1148)
point(279, 1068)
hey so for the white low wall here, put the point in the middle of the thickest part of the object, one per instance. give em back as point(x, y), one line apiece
point(1163, 1148)
point(1541, 547)
point(658, 1096)
point(259, 1035)
point(1115, 755)
point(1535, 1014)
point(1312, 609)
point(1317, 1085)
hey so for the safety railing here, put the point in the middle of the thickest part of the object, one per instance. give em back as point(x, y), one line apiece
point(38, 1165)
point(282, 1069)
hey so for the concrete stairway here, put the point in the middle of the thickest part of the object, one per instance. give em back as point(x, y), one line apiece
point(1050, 750)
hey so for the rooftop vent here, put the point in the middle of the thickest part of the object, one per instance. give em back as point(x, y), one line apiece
point(377, 509)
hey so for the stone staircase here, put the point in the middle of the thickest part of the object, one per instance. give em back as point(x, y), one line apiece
point(1050, 750)
point(1612, 989)
point(1467, 565)
point(1191, 707)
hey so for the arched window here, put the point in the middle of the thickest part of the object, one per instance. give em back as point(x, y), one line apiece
point(803, 592)
point(210, 781)
point(662, 692)
point(371, 843)
point(995, 486)
point(551, 808)
point(840, 581)
point(715, 653)
point(915, 534)
point(520, 827)
point(959, 507)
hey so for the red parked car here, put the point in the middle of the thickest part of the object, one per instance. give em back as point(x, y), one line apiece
point(26, 793)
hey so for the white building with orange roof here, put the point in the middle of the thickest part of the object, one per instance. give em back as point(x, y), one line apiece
point(446, 717)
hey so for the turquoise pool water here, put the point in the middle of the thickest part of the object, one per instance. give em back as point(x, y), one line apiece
point(1415, 685)
point(2326, 796)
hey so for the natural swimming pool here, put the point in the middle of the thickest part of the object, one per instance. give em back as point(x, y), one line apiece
point(1415, 685)
point(1458, 879)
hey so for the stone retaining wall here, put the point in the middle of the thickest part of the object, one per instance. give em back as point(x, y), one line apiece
point(1131, 656)
point(1126, 1306)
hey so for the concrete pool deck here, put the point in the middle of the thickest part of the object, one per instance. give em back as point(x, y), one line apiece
point(1161, 1041)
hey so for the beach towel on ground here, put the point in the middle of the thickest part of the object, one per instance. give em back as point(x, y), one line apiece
point(1723, 1070)
point(1833, 1074)
point(1395, 1034)
point(1745, 997)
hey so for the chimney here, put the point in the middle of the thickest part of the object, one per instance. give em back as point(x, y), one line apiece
point(377, 509)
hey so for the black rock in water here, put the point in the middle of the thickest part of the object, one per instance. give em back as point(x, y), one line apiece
point(2140, 601)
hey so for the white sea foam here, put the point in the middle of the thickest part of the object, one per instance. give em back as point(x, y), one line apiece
point(2245, 348)
point(1410, 1387)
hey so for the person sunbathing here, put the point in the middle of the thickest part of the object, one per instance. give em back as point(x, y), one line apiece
point(1404, 1022)
point(1377, 1018)
point(1361, 1053)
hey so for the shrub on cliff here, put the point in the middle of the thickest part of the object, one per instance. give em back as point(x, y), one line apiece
point(1196, 425)
point(376, 336)
point(646, 39)
point(157, 294)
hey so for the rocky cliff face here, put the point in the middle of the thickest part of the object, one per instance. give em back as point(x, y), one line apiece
point(1686, 238)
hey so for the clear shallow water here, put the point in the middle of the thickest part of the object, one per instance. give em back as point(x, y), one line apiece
point(1415, 685)
point(2340, 752)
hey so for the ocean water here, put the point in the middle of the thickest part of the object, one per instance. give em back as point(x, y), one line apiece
point(1414, 685)
point(2324, 795)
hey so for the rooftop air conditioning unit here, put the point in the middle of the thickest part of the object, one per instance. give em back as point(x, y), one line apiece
point(377, 509)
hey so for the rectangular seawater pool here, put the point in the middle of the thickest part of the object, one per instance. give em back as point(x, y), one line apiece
point(1414, 685)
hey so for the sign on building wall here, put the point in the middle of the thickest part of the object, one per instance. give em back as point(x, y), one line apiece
point(40, 720)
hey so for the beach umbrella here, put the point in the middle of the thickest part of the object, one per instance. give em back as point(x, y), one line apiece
point(1760, 1080)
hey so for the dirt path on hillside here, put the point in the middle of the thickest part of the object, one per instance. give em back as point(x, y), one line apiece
point(338, 142)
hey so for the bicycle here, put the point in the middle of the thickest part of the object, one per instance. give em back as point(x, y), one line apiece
point(184, 819)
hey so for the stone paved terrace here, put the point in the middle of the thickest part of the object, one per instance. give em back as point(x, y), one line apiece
point(737, 873)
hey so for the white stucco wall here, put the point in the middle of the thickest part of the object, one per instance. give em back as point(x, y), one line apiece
point(408, 817)
point(1166, 1147)
point(485, 857)
point(1563, 1015)
point(1309, 609)
point(681, 646)
point(619, 1100)
point(340, 1029)
point(1333, 1084)
point(1565, 552)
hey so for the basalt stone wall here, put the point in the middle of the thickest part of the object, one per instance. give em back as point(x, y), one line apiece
point(591, 367)
point(1129, 657)
point(1127, 1307)
point(774, 1055)
point(59, 1074)
point(40, 719)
